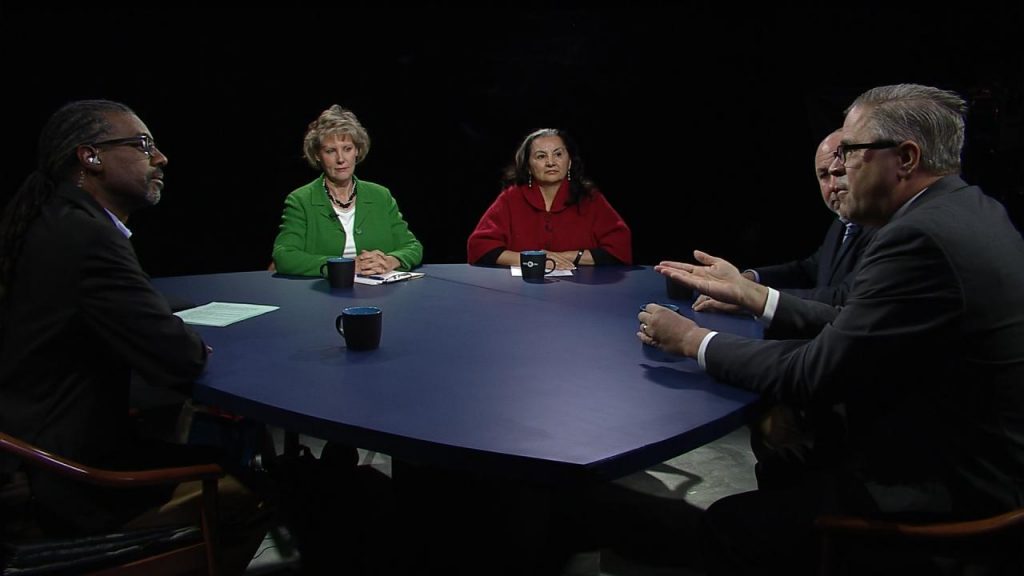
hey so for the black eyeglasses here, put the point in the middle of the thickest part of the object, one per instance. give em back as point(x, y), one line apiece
point(843, 150)
point(143, 142)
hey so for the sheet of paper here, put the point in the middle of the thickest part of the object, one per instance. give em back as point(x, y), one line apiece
point(388, 278)
point(222, 313)
point(517, 271)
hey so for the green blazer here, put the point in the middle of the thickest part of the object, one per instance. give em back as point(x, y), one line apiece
point(311, 233)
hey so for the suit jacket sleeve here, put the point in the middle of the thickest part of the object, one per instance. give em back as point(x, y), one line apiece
point(291, 253)
point(834, 295)
point(835, 278)
point(796, 274)
point(798, 317)
point(121, 307)
point(902, 302)
point(405, 247)
point(290, 248)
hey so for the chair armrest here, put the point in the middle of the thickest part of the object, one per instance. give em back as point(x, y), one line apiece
point(70, 469)
point(853, 525)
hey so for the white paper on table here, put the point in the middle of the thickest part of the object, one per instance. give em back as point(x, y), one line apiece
point(388, 277)
point(517, 271)
point(222, 313)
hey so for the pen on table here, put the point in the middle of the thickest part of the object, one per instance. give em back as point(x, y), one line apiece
point(391, 278)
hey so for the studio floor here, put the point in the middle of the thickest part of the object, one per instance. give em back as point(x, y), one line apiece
point(696, 478)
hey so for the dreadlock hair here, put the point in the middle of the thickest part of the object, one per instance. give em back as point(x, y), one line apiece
point(74, 124)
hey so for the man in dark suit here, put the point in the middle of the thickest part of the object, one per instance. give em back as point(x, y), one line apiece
point(825, 275)
point(927, 354)
point(786, 439)
point(78, 316)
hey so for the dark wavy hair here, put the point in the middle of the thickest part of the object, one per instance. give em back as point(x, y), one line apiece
point(519, 173)
point(74, 124)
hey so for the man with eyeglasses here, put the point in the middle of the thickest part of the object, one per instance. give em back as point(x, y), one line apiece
point(927, 354)
point(78, 317)
point(786, 439)
point(825, 275)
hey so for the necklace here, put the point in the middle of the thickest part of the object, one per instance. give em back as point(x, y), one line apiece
point(339, 203)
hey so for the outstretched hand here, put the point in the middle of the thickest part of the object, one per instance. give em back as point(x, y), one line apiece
point(718, 279)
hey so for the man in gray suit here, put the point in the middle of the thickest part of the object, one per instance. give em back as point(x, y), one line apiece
point(927, 354)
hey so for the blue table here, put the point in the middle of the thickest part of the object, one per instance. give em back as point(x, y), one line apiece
point(476, 370)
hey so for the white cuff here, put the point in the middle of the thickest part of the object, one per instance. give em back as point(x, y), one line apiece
point(703, 348)
point(770, 305)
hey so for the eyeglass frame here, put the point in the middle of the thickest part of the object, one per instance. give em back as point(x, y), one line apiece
point(843, 150)
point(143, 142)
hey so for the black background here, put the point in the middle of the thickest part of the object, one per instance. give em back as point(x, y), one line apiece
point(699, 122)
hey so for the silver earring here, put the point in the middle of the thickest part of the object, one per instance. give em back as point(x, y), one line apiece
point(81, 179)
point(568, 174)
point(531, 180)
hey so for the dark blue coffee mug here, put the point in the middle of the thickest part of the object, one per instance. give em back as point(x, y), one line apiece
point(361, 327)
point(340, 272)
point(533, 263)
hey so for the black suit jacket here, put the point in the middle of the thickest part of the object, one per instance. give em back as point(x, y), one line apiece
point(80, 316)
point(927, 354)
point(826, 275)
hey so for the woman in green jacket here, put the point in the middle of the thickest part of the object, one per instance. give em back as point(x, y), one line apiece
point(338, 214)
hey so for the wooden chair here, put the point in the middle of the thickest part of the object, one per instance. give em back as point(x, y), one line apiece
point(189, 556)
point(941, 535)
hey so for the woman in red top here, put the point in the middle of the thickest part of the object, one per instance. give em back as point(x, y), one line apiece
point(551, 206)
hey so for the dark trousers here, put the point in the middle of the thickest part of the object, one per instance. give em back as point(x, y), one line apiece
point(764, 531)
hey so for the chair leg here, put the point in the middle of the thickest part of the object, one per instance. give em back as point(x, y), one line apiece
point(827, 558)
point(210, 526)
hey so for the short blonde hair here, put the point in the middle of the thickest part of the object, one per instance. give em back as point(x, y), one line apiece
point(334, 120)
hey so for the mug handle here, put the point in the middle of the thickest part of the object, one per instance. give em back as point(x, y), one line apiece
point(553, 266)
point(323, 272)
point(337, 325)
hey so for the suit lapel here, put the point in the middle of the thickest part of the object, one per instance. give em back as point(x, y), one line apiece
point(831, 253)
point(838, 264)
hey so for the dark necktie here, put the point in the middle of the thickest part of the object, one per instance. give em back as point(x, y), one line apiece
point(850, 232)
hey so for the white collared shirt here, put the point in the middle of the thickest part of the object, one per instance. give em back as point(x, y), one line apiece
point(120, 225)
point(772, 304)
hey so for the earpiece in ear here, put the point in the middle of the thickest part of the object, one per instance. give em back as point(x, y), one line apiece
point(93, 160)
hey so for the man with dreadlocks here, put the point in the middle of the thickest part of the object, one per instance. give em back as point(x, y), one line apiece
point(78, 316)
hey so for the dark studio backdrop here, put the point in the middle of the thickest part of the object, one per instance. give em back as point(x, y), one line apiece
point(698, 122)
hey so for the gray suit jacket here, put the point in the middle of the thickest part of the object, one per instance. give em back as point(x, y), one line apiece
point(927, 354)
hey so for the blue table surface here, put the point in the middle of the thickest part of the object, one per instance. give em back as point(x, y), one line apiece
point(476, 369)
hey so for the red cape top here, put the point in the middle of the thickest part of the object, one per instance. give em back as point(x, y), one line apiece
point(517, 221)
